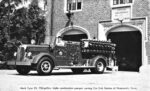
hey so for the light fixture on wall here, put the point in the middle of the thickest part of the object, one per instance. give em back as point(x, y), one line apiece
point(120, 20)
point(69, 15)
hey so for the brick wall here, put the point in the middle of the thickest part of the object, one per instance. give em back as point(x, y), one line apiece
point(140, 8)
point(92, 12)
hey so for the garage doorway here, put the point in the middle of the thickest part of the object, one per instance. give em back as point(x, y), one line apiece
point(128, 49)
point(74, 35)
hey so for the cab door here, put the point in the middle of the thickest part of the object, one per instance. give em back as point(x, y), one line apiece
point(74, 54)
point(68, 55)
point(60, 53)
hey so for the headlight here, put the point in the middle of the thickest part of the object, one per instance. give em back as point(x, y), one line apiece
point(15, 54)
point(29, 55)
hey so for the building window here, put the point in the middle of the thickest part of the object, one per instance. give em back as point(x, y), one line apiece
point(118, 2)
point(74, 5)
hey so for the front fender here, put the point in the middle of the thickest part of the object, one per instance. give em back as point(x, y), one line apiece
point(95, 59)
point(39, 56)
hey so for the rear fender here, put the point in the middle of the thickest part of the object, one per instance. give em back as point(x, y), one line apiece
point(99, 57)
point(39, 56)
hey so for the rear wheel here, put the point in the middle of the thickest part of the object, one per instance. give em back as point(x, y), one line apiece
point(45, 66)
point(99, 67)
point(77, 70)
point(23, 70)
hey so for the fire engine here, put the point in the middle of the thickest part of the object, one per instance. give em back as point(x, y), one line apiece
point(86, 54)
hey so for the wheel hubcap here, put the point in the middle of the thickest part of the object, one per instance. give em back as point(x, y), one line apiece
point(46, 66)
point(100, 66)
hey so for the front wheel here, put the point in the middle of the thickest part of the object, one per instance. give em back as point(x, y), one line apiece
point(45, 66)
point(23, 70)
point(99, 67)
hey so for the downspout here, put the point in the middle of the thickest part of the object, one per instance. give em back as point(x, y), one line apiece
point(49, 19)
point(52, 14)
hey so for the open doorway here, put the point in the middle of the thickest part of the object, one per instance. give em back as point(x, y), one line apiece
point(128, 49)
point(75, 37)
point(74, 34)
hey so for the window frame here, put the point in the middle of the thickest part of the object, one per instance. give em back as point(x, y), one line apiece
point(76, 7)
point(122, 6)
point(119, 4)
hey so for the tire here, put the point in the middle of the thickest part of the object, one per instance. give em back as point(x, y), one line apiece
point(99, 67)
point(77, 70)
point(23, 70)
point(45, 66)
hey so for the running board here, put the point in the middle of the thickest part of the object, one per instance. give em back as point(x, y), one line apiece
point(69, 67)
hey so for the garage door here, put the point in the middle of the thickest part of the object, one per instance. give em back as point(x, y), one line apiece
point(128, 49)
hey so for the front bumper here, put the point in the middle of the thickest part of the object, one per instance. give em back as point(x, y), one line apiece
point(26, 63)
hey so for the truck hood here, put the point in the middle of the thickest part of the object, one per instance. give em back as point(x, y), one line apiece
point(25, 46)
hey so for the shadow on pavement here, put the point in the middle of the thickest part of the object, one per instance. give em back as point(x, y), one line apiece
point(62, 74)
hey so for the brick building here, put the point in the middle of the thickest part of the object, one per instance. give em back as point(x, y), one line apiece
point(125, 22)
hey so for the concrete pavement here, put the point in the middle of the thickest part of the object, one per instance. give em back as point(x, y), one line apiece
point(65, 80)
